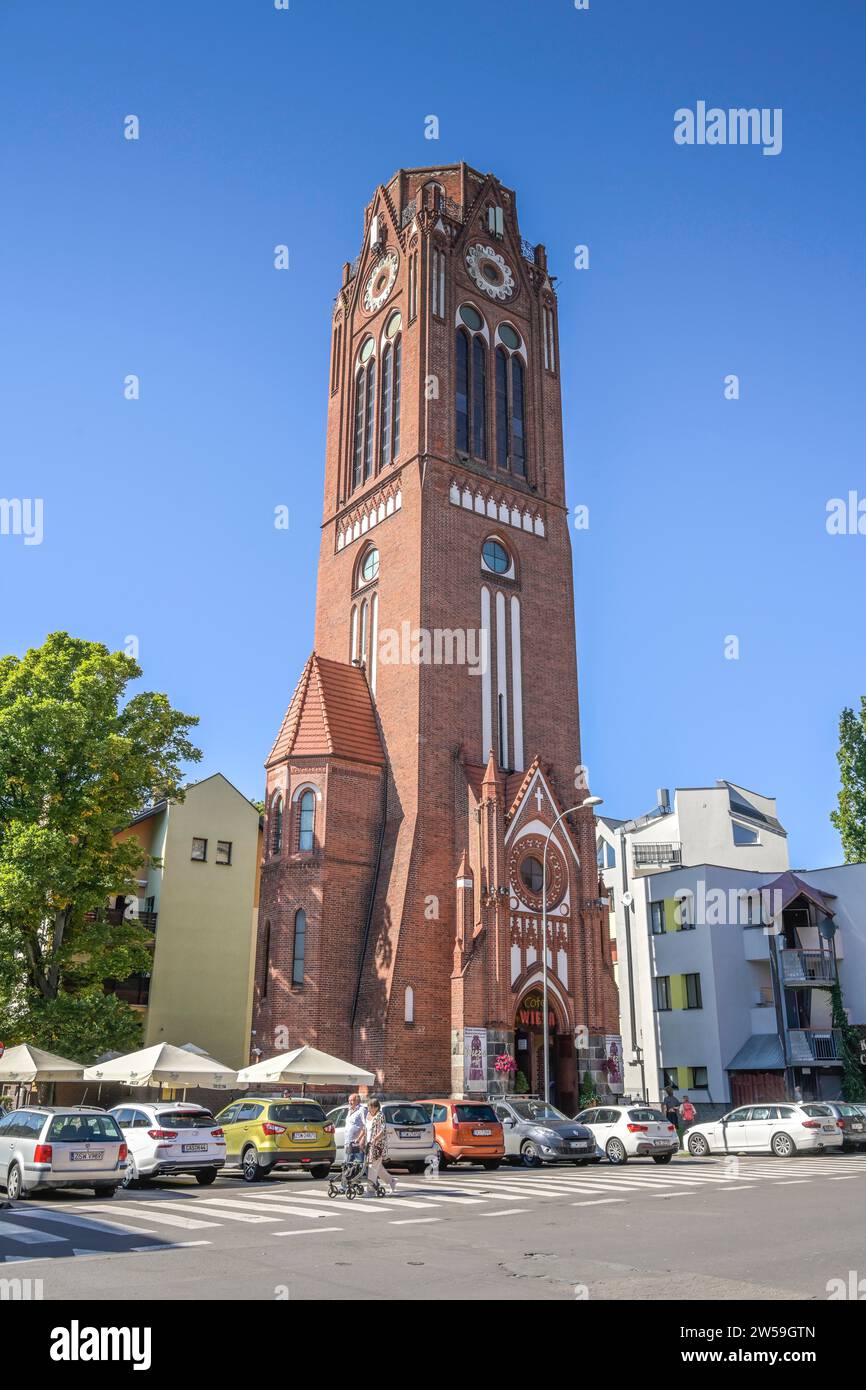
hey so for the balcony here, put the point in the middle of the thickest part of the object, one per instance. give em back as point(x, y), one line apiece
point(808, 1045)
point(807, 968)
point(115, 917)
point(657, 854)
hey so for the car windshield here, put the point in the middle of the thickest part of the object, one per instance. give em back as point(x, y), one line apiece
point(536, 1110)
point(77, 1129)
point(405, 1115)
point(184, 1119)
point(295, 1112)
point(474, 1114)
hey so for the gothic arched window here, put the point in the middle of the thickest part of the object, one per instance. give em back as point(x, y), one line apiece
point(365, 414)
point(277, 825)
point(266, 960)
point(510, 402)
point(471, 383)
point(389, 410)
point(306, 820)
point(299, 947)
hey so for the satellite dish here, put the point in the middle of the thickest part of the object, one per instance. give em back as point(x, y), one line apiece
point(627, 899)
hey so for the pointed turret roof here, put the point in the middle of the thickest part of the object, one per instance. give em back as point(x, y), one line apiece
point(331, 713)
point(492, 780)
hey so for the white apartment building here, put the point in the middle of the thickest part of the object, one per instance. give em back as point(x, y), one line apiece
point(724, 826)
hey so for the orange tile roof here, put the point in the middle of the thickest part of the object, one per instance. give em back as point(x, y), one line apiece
point(331, 713)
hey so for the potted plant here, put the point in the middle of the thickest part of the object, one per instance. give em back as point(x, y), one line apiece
point(505, 1067)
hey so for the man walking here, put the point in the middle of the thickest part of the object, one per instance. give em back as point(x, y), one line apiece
point(671, 1107)
point(353, 1137)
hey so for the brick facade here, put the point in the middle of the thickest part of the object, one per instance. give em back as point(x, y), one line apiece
point(414, 880)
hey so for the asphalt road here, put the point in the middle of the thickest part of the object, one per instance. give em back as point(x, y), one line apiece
point(758, 1228)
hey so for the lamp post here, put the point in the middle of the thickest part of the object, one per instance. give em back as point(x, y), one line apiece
point(587, 801)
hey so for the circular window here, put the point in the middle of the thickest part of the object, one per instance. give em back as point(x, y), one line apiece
point(394, 324)
point(508, 336)
point(532, 873)
point(366, 350)
point(496, 557)
point(471, 317)
point(370, 565)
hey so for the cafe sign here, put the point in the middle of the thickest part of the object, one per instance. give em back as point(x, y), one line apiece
point(530, 1014)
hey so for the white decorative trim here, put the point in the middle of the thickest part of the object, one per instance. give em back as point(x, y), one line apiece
point(516, 683)
point(375, 510)
point(494, 506)
point(501, 678)
point(486, 711)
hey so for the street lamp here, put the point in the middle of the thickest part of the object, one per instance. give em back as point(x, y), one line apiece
point(587, 801)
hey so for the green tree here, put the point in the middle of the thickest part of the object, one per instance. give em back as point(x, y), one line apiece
point(850, 818)
point(853, 1080)
point(78, 759)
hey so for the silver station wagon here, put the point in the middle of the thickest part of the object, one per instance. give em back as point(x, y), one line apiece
point(45, 1146)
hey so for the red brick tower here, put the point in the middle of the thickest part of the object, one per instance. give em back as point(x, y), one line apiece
point(434, 736)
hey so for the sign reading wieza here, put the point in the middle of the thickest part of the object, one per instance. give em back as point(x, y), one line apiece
point(475, 1059)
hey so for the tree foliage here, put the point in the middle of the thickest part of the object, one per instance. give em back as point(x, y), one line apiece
point(850, 817)
point(77, 761)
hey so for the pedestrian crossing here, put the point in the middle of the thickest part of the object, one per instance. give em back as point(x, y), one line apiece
point(179, 1218)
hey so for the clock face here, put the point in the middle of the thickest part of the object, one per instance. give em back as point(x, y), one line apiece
point(380, 281)
point(490, 271)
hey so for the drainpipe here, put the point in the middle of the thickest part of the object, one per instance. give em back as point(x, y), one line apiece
point(629, 962)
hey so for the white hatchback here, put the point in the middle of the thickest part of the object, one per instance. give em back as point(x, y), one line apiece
point(622, 1132)
point(170, 1137)
point(782, 1129)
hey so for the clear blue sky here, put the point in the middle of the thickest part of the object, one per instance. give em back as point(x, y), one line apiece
point(260, 127)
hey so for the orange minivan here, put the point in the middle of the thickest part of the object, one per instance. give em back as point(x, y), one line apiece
point(467, 1131)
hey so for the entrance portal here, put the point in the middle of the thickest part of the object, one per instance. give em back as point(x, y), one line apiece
point(529, 1051)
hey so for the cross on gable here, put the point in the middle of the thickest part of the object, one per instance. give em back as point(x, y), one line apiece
point(539, 797)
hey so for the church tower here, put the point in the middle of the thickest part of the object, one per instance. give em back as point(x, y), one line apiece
point(434, 739)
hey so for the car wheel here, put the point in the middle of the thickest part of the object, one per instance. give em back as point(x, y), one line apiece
point(15, 1189)
point(662, 1158)
point(251, 1169)
point(491, 1164)
point(443, 1157)
point(616, 1154)
point(105, 1189)
point(206, 1177)
point(698, 1146)
point(530, 1155)
point(131, 1174)
point(783, 1145)
point(320, 1170)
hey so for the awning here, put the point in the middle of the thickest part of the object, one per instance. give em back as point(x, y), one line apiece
point(163, 1065)
point(760, 1052)
point(307, 1066)
point(25, 1063)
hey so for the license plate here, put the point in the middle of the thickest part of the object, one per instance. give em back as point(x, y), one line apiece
point(481, 1133)
point(408, 1134)
point(661, 1141)
point(194, 1148)
point(303, 1135)
point(82, 1155)
point(856, 1125)
point(578, 1144)
point(828, 1129)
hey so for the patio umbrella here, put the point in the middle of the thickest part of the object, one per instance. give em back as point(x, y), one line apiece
point(306, 1066)
point(25, 1063)
point(163, 1065)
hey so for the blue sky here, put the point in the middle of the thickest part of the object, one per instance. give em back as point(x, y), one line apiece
point(258, 127)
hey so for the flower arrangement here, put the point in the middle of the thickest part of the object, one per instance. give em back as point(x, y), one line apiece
point(504, 1066)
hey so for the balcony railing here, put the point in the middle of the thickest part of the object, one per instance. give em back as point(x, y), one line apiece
point(658, 852)
point(115, 916)
point(815, 1045)
point(808, 967)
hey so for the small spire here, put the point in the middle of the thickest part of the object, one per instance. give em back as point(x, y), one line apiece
point(492, 778)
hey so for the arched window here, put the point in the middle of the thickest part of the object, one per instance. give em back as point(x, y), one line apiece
point(389, 411)
point(277, 825)
point(306, 820)
point(471, 383)
point(266, 960)
point(299, 946)
point(409, 1005)
point(365, 414)
point(510, 402)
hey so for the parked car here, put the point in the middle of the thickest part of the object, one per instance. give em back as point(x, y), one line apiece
point(411, 1140)
point(537, 1133)
point(267, 1132)
point(466, 1131)
point(45, 1146)
point(781, 1128)
point(170, 1137)
point(851, 1121)
point(627, 1131)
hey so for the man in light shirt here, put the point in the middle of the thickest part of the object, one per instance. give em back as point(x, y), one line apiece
point(354, 1128)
